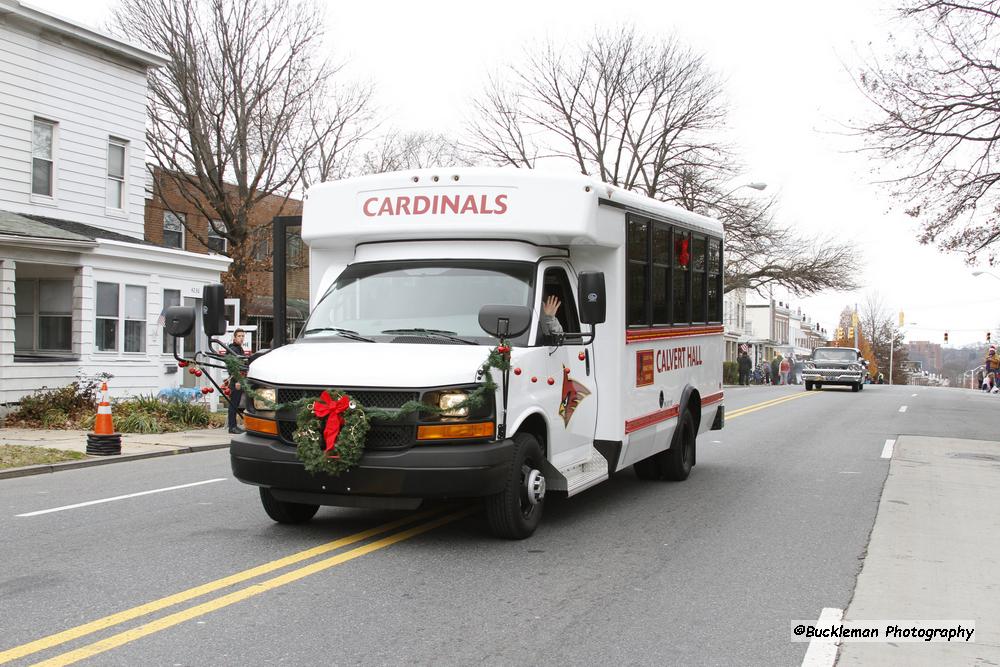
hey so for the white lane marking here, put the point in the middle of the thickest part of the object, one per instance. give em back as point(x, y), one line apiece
point(131, 495)
point(887, 449)
point(902, 408)
point(912, 394)
point(823, 652)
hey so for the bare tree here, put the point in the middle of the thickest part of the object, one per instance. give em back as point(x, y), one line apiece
point(411, 150)
point(645, 115)
point(240, 112)
point(884, 337)
point(937, 124)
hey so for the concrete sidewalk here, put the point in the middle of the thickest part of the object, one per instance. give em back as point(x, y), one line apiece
point(934, 552)
point(134, 446)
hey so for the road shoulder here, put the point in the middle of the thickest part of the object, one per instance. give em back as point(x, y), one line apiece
point(934, 552)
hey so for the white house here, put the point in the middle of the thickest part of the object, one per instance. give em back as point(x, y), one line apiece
point(80, 290)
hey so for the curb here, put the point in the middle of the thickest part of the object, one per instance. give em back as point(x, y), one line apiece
point(43, 468)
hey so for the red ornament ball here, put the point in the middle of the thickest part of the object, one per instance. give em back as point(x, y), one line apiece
point(182, 364)
point(211, 390)
point(503, 349)
point(551, 381)
point(192, 370)
point(204, 390)
point(534, 379)
point(517, 371)
point(197, 373)
point(565, 371)
point(581, 356)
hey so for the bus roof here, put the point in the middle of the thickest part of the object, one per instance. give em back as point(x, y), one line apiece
point(477, 203)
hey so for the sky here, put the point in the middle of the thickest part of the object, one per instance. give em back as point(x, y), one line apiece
point(786, 67)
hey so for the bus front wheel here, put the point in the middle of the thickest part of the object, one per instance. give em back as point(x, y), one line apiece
point(285, 512)
point(516, 511)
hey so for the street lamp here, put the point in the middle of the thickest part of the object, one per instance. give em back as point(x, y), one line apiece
point(756, 185)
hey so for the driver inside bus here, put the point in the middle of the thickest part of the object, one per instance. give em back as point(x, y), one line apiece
point(549, 322)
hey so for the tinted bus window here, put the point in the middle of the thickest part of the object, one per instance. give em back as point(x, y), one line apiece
point(661, 273)
point(698, 266)
point(681, 277)
point(714, 280)
point(638, 268)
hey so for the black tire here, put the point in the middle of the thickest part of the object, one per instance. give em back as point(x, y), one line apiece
point(285, 512)
point(809, 386)
point(819, 386)
point(648, 469)
point(679, 459)
point(511, 515)
point(861, 387)
point(675, 463)
point(855, 387)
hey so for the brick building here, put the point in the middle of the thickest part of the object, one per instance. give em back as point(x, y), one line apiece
point(173, 221)
point(927, 353)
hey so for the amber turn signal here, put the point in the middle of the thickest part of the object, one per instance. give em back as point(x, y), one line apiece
point(455, 431)
point(258, 425)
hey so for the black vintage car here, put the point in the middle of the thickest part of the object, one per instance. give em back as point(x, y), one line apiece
point(835, 366)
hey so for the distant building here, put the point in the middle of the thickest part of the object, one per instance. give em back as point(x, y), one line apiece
point(738, 330)
point(172, 220)
point(927, 353)
point(81, 291)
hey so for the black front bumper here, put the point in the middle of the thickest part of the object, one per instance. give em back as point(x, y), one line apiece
point(423, 471)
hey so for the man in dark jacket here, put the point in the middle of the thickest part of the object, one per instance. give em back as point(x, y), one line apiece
point(744, 367)
point(235, 391)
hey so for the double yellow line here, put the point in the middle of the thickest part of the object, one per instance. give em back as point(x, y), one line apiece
point(767, 404)
point(238, 595)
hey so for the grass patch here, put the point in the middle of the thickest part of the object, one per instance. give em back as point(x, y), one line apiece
point(17, 456)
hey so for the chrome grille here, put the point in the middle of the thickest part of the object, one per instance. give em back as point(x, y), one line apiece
point(381, 435)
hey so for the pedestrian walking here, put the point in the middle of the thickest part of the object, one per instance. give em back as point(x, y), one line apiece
point(785, 368)
point(236, 390)
point(745, 365)
point(991, 366)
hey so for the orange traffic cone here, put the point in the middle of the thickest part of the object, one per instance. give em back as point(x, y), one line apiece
point(104, 441)
point(103, 424)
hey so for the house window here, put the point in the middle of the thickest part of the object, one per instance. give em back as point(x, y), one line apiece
point(216, 241)
point(135, 318)
point(116, 174)
point(43, 315)
point(262, 245)
point(296, 250)
point(106, 335)
point(110, 322)
point(173, 229)
point(171, 297)
point(42, 161)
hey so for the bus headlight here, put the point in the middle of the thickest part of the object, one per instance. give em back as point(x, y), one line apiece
point(265, 398)
point(448, 400)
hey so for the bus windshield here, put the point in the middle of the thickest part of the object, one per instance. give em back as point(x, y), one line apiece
point(382, 301)
point(835, 355)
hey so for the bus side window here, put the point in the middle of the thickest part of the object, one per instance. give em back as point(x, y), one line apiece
point(714, 280)
point(637, 275)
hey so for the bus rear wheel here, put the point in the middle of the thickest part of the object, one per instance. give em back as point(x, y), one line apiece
point(675, 463)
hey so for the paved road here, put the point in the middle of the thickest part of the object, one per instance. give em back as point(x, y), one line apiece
point(771, 526)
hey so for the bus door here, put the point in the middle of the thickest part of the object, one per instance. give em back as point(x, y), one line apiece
point(570, 368)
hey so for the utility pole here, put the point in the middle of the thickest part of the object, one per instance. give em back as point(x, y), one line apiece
point(854, 321)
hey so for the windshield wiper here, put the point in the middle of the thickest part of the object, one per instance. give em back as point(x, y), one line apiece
point(346, 333)
point(449, 335)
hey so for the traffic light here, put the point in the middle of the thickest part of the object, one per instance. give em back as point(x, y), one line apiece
point(838, 334)
point(946, 336)
point(988, 333)
point(850, 333)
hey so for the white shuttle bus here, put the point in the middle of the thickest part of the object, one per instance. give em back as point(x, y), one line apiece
point(412, 273)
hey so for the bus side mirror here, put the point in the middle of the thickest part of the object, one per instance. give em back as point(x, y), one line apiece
point(213, 309)
point(505, 321)
point(591, 297)
point(179, 321)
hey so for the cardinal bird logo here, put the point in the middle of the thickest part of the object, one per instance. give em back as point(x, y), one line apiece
point(572, 393)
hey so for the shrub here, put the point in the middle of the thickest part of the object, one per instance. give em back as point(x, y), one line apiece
point(730, 372)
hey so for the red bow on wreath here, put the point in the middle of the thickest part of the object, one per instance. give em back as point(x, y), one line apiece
point(333, 411)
